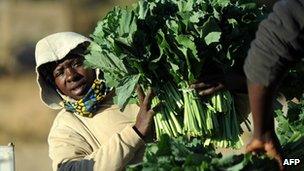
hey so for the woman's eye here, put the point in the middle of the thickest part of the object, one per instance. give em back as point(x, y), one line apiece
point(77, 64)
point(58, 73)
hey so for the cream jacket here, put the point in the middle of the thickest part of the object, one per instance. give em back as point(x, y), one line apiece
point(106, 142)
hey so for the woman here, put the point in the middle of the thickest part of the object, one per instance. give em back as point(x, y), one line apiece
point(89, 133)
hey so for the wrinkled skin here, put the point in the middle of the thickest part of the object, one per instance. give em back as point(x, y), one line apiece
point(71, 78)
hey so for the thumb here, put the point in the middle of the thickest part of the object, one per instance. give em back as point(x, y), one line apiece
point(151, 112)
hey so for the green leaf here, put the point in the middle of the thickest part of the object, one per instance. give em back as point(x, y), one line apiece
point(185, 5)
point(98, 59)
point(143, 9)
point(220, 3)
point(187, 42)
point(233, 22)
point(125, 89)
point(173, 26)
point(195, 17)
point(112, 80)
point(213, 37)
point(127, 23)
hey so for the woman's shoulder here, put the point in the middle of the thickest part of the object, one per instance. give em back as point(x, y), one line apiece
point(64, 118)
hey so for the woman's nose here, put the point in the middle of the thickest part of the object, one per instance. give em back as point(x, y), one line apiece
point(71, 74)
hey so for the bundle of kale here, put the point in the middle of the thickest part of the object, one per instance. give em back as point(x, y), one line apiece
point(179, 154)
point(167, 44)
point(290, 130)
point(184, 154)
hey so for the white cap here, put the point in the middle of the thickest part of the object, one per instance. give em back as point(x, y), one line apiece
point(49, 49)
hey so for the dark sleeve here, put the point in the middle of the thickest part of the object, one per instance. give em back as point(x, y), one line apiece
point(279, 42)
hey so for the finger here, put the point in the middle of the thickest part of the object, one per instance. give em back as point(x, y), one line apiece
point(211, 90)
point(199, 85)
point(151, 112)
point(273, 152)
point(279, 160)
point(272, 149)
point(148, 98)
point(277, 157)
point(140, 94)
point(206, 92)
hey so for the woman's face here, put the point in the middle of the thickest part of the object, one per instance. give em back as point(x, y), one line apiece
point(71, 78)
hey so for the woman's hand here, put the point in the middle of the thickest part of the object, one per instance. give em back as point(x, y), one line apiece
point(144, 120)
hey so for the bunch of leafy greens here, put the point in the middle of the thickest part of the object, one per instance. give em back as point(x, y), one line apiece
point(290, 129)
point(184, 154)
point(167, 44)
point(128, 55)
point(179, 154)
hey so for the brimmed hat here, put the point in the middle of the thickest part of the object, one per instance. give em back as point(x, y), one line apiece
point(49, 49)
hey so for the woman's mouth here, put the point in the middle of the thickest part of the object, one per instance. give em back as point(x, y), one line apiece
point(79, 88)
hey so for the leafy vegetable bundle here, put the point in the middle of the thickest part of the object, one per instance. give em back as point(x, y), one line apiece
point(181, 154)
point(291, 129)
point(167, 44)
